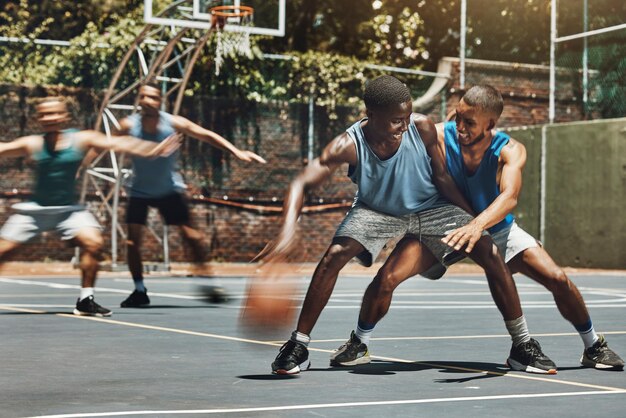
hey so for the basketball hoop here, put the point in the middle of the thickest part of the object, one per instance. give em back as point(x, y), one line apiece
point(230, 43)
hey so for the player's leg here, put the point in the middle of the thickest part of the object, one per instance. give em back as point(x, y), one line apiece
point(537, 264)
point(362, 234)
point(17, 230)
point(136, 214)
point(526, 354)
point(294, 356)
point(407, 259)
point(81, 228)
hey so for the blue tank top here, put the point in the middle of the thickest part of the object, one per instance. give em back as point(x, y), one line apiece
point(55, 174)
point(480, 189)
point(399, 185)
point(154, 177)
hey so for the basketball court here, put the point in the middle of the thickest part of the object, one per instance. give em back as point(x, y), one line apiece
point(439, 352)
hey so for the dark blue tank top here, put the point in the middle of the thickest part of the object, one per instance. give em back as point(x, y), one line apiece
point(480, 188)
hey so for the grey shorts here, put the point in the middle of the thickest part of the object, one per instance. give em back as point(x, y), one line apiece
point(513, 240)
point(31, 220)
point(510, 242)
point(374, 229)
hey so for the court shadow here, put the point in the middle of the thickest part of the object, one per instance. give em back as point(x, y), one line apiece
point(268, 376)
point(35, 313)
point(385, 368)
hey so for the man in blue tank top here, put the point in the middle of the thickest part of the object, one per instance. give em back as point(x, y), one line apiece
point(156, 183)
point(58, 154)
point(395, 160)
point(487, 166)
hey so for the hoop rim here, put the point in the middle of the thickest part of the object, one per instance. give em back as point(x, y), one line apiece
point(232, 11)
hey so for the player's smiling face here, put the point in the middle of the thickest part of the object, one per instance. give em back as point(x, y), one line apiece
point(389, 124)
point(472, 124)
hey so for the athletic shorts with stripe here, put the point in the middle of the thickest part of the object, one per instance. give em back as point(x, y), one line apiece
point(374, 229)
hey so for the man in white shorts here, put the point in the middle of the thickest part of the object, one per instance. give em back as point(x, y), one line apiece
point(58, 154)
point(486, 166)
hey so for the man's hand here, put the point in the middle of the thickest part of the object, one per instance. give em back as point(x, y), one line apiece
point(168, 146)
point(281, 249)
point(468, 234)
point(249, 156)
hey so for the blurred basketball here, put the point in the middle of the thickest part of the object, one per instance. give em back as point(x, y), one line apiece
point(271, 300)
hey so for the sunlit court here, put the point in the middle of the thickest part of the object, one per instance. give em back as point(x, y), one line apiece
point(332, 208)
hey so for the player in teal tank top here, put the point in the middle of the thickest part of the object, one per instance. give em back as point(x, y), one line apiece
point(158, 184)
point(54, 206)
point(487, 167)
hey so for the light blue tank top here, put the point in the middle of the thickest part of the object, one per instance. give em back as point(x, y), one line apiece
point(156, 177)
point(480, 189)
point(399, 185)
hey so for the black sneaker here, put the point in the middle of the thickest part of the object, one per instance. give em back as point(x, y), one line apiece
point(293, 358)
point(136, 299)
point(351, 353)
point(89, 307)
point(600, 356)
point(528, 357)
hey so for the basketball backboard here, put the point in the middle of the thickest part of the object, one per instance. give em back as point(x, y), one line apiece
point(269, 15)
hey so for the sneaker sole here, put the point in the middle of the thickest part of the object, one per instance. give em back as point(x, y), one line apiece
point(302, 367)
point(138, 305)
point(514, 365)
point(99, 315)
point(601, 366)
point(361, 360)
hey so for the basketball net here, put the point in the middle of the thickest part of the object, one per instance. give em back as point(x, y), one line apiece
point(231, 43)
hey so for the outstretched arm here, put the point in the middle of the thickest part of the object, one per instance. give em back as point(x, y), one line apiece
point(341, 150)
point(130, 145)
point(512, 161)
point(20, 147)
point(196, 131)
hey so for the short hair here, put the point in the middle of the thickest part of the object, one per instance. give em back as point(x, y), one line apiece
point(384, 92)
point(486, 98)
point(152, 84)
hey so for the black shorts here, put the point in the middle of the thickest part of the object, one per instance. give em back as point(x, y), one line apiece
point(173, 209)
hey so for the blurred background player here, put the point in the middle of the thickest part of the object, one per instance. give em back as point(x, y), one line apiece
point(58, 154)
point(156, 183)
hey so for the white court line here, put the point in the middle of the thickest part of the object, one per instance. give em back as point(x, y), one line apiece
point(333, 405)
point(271, 343)
point(101, 289)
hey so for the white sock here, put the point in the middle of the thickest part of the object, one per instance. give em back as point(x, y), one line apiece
point(589, 337)
point(85, 292)
point(364, 334)
point(301, 338)
point(518, 330)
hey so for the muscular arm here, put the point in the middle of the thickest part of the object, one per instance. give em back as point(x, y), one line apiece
point(513, 159)
point(128, 144)
point(341, 150)
point(198, 132)
point(441, 178)
point(20, 147)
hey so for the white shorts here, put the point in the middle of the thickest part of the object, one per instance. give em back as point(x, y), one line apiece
point(32, 219)
point(513, 240)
